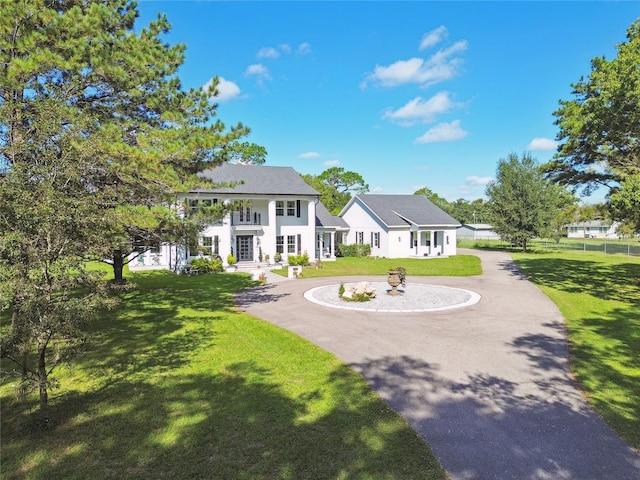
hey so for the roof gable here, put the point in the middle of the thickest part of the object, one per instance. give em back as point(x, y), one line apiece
point(400, 210)
point(256, 179)
point(324, 218)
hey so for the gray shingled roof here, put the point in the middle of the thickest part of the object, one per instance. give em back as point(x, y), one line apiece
point(325, 219)
point(400, 210)
point(257, 179)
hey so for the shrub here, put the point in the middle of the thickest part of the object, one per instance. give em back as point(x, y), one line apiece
point(231, 260)
point(206, 265)
point(354, 250)
point(302, 260)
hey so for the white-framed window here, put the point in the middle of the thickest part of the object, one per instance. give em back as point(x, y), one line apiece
point(245, 214)
point(280, 244)
point(360, 238)
point(375, 239)
point(279, 208)
point(207, 245)
point(291, 208)
point(193, 205)
point(291, 244)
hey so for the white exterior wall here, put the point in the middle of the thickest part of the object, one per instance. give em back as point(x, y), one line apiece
point(395, 242)
point(359, 220)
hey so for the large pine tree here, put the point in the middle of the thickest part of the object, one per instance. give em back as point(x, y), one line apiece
point(96, 134)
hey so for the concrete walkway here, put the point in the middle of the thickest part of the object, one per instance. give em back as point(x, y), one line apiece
point(487, 385)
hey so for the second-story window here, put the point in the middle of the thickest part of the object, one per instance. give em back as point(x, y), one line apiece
point(291, 208)
point(279, 208)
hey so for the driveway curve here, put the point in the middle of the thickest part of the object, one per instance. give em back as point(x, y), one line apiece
point(487, 386)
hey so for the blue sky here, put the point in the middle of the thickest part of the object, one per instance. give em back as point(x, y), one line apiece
point(408, 94)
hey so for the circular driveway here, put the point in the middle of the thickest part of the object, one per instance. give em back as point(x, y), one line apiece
point(487, 385)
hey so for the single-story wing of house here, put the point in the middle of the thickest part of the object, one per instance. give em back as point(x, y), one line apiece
point(330, 231)
point(400, 226)
point(593, 229)
point(477, 231)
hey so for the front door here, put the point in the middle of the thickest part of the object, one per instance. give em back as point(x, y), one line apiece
point(244, 247)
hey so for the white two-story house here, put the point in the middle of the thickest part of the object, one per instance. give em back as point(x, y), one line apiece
point(276, 213)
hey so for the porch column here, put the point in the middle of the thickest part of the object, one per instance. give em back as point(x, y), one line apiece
point(270, 231)
point(332, 242)
point(310, 244)
point(226, 238)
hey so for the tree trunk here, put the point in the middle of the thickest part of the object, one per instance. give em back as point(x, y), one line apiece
point(42, 376)
point(118, 267)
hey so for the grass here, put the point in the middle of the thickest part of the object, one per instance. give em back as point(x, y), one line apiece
point(179, 384)
point(599, 295)
point(459, 265)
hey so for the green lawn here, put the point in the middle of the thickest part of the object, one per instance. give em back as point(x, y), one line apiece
point(599, 295)
point(458, 265)
point(179, 384)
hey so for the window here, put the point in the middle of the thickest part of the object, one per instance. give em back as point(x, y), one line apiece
point(216, 244)
point(155, 248)
point(245, 214)
point(193, 206)
point(291, 244)
point(360, 238)
point(375, 239)
point(280, 244)
point(207, 244)
point(206, 202)
point(192, 249)
point(291, 208)
point(279, 208)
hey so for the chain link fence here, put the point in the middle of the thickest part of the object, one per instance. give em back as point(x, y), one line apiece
point(608, 247)
point(629, 247)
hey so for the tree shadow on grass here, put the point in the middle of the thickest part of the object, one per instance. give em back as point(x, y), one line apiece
point(618, 281)
point(610, 367)
point(235, 425)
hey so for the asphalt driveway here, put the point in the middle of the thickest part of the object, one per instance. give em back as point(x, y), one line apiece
point(486, 385)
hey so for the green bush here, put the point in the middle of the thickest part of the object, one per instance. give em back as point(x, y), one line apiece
point(354, 250)
point(206, 265)
point(302, 260)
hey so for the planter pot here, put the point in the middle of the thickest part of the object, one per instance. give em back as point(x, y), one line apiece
point(393, 279)
point(232, 268)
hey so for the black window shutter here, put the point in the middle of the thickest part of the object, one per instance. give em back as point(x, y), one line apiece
point(298, 208)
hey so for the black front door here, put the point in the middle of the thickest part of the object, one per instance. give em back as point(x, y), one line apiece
point(244, 247)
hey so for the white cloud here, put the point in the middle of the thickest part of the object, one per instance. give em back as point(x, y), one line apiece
point(285, 48)
point(444, 132)
point(475, 180)
point(441, 66)
point(331, 163)
point(421, 110)
point(377, 189)
point(259, 71)
point(541, 144)
point(309, 155)
point(433, 37)
point(226, 89)
point(268, 52)
point(304, 48)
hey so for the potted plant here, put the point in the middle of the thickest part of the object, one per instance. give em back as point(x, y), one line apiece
point(231, 261)
point(266, 259)
point(277, 257)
